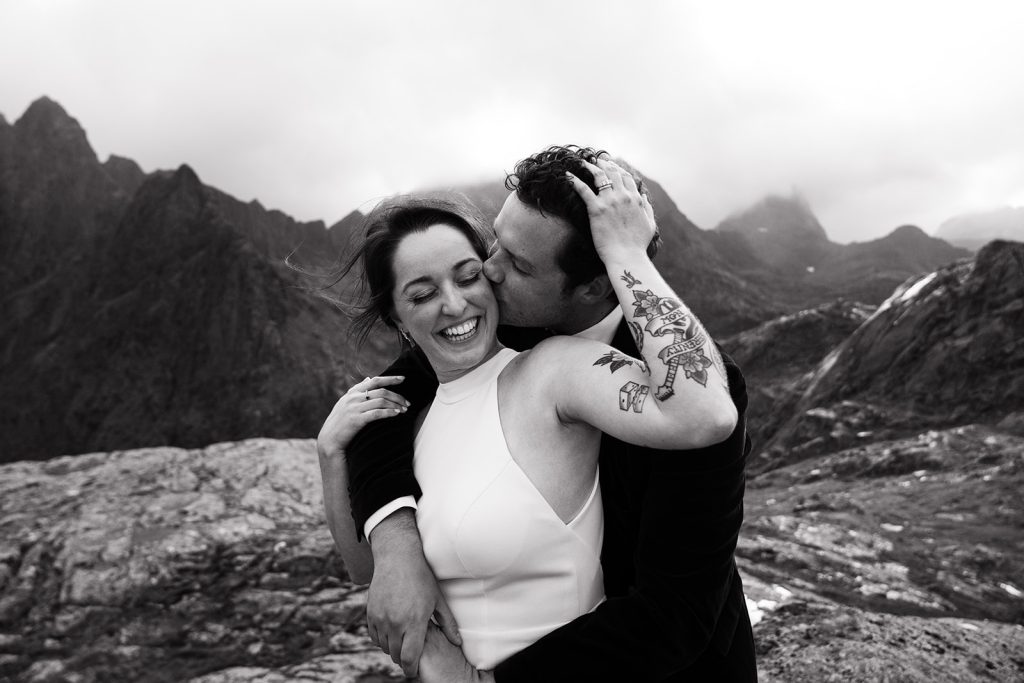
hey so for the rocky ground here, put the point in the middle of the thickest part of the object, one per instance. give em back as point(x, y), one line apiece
point(895, 561)
point(165, 564)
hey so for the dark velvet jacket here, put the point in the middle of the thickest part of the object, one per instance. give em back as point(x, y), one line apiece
point(675, 609)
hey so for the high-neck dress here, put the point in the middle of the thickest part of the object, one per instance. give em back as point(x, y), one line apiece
point(509, 567)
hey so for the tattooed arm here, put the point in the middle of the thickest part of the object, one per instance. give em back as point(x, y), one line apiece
point(682, 375)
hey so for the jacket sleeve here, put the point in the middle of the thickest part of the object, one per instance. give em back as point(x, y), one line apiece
point(380, 456)
point(686, 594)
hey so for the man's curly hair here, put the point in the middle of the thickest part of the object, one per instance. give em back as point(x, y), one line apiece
point(539, 181)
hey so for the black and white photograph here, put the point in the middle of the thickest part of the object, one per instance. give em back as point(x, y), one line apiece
point(476, 342)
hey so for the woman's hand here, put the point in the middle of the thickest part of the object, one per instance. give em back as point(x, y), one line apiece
point(365, 402)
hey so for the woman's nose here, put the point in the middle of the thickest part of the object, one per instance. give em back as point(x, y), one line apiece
point(453, 303)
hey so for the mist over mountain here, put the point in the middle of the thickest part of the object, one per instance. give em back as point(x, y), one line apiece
point(780, 243)
point(975, 229)
point(155, 310)
point(783, 231)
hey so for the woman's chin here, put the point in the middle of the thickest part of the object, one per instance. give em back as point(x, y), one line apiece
point(457, 358)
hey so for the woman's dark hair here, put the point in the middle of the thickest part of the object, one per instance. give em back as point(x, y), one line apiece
point(384, 229)
point(539, 181)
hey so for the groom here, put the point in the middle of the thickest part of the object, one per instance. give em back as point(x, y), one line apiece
point(675, 609)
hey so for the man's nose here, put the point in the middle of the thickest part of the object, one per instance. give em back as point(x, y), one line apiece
point(493, 271)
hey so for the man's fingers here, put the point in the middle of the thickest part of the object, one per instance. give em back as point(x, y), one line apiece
point(446, 620)
point(648, 208)
point(412, 648)
point(625, 178)
point(629, 182)
point(582, 189)
point(601, 177)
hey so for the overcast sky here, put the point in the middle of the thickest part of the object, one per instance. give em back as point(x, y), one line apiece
point(879, 113)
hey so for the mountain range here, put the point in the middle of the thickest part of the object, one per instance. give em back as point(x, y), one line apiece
point(151, 309)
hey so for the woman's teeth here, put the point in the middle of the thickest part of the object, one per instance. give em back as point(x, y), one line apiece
point(460, 332)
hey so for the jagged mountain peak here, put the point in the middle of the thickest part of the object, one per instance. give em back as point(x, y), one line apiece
point(45, 108)
point(908, 233)
point(125, 172)
point(46, 120)
point(777, 215)
point(186, 174)
point(48, 126)
point(182, 182)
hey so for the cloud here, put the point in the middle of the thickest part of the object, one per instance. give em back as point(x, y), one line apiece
point(879, 113)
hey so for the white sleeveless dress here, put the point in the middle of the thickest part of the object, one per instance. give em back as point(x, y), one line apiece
point(509, 567)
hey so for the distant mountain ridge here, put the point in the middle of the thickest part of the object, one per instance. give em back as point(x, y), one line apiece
point(780, 243)
point(976, 229)
point(150, 309)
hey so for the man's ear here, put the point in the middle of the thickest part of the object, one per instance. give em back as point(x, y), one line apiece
point(597, 290)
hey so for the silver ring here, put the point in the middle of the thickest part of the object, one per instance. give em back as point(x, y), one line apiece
point(603, 187)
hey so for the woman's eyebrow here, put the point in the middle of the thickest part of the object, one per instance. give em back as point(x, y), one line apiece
point(422, 279)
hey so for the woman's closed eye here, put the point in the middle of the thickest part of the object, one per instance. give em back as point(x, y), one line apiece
point(469, 278)
point(421, 296)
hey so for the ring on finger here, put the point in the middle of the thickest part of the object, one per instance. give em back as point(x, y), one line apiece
point(605, 186)
point(366, 396)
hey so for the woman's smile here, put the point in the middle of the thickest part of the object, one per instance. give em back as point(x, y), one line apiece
point(461, 332)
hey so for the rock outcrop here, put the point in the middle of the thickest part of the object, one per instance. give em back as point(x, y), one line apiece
point(779, 357)
point(163, 564)
point(945, 349)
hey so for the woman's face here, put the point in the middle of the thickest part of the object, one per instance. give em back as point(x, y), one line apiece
point(443, 301)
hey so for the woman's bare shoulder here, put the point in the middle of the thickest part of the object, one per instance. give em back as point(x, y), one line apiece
point(555, 352)
point(563, 345)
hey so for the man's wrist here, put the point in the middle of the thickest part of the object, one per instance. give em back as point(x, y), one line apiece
point(396, 533)
point(385, 511)
point(619, 257)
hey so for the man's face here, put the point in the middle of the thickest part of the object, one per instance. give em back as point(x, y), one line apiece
point(528, 283)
